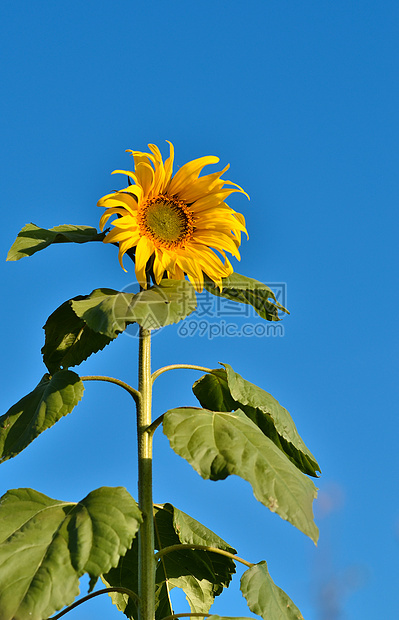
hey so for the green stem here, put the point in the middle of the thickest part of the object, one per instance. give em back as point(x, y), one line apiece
point(153, 427)
point(147, 563)
point(134, 393)
point(92, 595)
point(166, 550)
point(186, 615)
point(158, 372)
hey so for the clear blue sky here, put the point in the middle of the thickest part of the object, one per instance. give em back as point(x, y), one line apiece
point(301, 98)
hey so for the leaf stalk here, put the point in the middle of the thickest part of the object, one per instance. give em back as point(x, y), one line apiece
point(131, 390)
point(92, 595)
point(171, 548)
point(153, 427)
point(160, 371)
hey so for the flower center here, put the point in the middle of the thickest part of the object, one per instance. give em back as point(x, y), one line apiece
point(167, 221)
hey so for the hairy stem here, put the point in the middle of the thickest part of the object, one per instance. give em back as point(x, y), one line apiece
point(186, 615)
point(147, 562)
point(166, 550)
point(134, 393)
point(158, 372)
point(153, 427)
point(92, 595)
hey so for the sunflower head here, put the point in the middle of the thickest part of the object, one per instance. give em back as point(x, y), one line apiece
point(176, 225)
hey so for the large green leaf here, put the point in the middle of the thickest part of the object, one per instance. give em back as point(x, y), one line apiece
point(218, 444)
point(225, 390)
point(202, 575)
point(86, 324)
point(31, 238)
point(46, 545)
point(265, 598)
point(53, 398)
point(125, 575)
point(248, 291)
point(68, 339)
point(103, 311)
point(163, 304)
point(109, 312)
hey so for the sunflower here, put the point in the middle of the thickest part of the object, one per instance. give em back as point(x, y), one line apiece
point(175, 223)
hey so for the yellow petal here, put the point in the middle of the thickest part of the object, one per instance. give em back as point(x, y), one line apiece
point(217, 240)
point(109, 213)
point(241, 219)
point(141, 158)
point(168, 259)
point(239, 188)
point(126, 222)
point(116, 236)
point(124, 246)
point(156, 151)
point(212, 199)
point(159, 176)
point(120, 199)
point(178, 273)
point(189, 172)
point(144, 250)
point(203, 185)
point(209, 262)
point(158, 267)
point(169, 165)
point(128, 173)
point(145, 177)
point(217, 220)
point(136, 190)
point(193, 271)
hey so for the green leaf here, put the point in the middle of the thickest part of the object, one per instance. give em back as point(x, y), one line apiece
point(212, 391)
point(103, 311)
point(31, 238)
point(163, 304)
point(225, 390)
point(202, 575)
point(264, 598)
point(125, 575)
point(248, 291)
point(46, 545)
point(109, 312)
point(68, 339)
point(86, 324)
point(219, 444)
point(53, 398)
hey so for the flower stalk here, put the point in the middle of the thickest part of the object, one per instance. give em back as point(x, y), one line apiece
point(147, 562)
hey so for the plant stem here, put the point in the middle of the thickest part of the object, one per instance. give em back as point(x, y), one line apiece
point(92, 595)
point(158, 372)
point(179, 547)
point(186, 615)
point(134, 393)
point(144, 440)
point(153, 427)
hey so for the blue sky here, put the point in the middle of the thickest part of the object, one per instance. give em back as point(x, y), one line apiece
point(301, 99)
